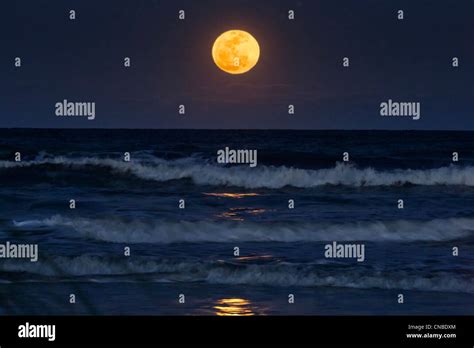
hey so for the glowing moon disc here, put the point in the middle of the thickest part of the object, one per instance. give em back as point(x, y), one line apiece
point(235, 51)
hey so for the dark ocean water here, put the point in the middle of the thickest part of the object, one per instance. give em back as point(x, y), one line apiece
point(190, 251)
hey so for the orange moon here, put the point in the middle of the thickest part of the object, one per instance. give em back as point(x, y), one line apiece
point(235, 52)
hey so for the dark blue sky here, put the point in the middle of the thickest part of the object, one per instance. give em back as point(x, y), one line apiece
point(300, 63)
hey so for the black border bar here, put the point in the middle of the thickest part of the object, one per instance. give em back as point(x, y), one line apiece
point(145, 330)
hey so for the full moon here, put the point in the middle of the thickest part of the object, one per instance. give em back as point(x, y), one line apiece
point(235, 51)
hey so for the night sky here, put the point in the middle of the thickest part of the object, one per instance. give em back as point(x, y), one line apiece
point(300, 63)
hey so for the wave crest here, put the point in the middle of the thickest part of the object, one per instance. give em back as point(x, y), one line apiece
point(101, 269)
point(157, 231)
point(271, 177)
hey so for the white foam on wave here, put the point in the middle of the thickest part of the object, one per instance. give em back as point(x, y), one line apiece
point(272, 177)
point(291, 276)
point(86, 265)
point(101, 269)
point(158, 231)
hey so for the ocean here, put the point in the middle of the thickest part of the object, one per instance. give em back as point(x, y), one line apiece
point(184, 261)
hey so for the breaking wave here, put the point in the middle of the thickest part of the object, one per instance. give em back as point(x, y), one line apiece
point(158, 231)
point(271, 177)
point(101, 269)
